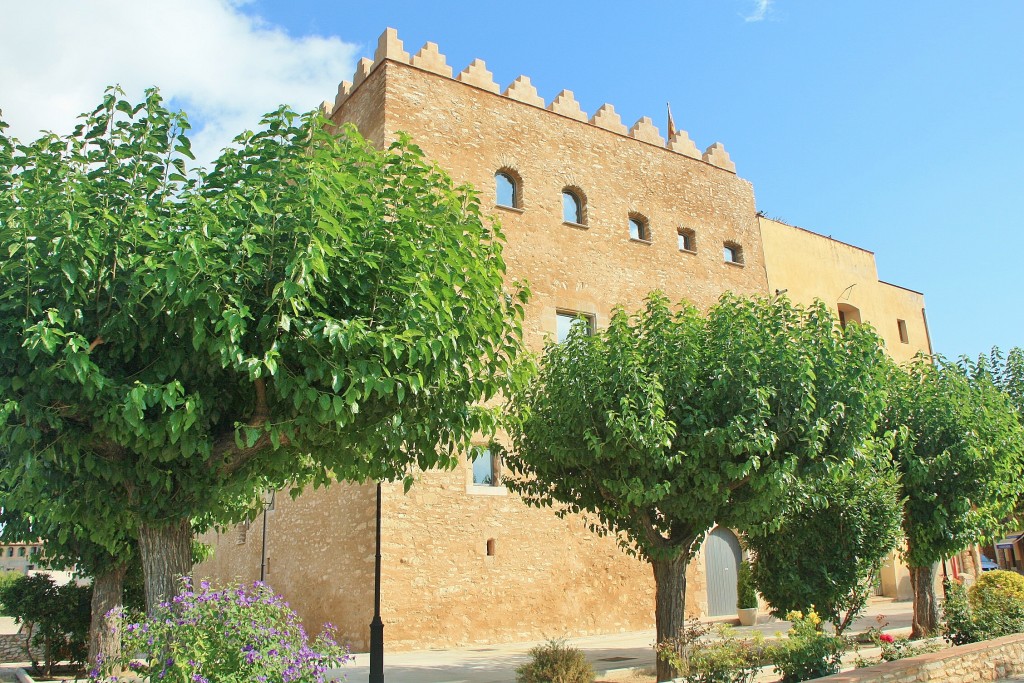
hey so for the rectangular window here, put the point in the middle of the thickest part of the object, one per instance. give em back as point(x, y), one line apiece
point(902, 324)
point(486, 469)
point(568, 319)
point(686, 240)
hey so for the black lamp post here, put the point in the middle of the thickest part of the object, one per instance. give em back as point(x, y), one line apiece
point(268, 502)
point(377, 625)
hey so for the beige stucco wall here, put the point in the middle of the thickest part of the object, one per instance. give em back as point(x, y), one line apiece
point(810, 266)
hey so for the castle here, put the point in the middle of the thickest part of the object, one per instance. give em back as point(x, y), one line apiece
point(595, 214)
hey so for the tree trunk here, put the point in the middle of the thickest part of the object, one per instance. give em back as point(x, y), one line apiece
point(166, 553)
point(926, 605)
point(104, 636)
point(670, 609)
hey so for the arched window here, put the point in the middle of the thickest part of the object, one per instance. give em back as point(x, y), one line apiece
point(572, 207)
point(638, 228)
point(507, 190)
point(848, 314)
point(21, 552)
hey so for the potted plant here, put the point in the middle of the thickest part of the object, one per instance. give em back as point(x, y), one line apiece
point(746, 596)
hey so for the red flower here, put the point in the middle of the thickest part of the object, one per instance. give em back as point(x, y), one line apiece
point(886, 638)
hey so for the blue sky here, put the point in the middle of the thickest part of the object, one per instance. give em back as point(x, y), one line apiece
point(895, 126)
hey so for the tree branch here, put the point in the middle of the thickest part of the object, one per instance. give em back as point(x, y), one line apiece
point(225, 448)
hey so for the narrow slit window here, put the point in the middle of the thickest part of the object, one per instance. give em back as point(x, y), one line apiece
point(902, 325)
point(492, 546)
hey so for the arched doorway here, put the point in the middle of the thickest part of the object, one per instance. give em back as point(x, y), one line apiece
point(722, 560)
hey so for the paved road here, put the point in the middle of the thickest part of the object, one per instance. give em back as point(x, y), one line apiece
point(497, 663)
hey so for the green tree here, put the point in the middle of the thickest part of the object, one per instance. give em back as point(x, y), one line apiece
point(1006, 372)
point(960, 451)
point(55, 619)
point(827, 554)
point(63, 524)
point(308, 308)
point(668, 422)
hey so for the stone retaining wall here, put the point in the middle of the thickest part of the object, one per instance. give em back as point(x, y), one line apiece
point(990, 660)
point(12, 647)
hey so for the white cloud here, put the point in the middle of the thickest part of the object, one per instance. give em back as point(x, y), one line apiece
point(761, 8)
point(221, 66)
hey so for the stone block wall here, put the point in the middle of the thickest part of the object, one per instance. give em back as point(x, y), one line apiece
point(990, 660)
point(12, 647)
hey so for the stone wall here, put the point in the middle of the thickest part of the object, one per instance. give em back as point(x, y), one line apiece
point(465, 564)
point(12, 647)
point(990, 660)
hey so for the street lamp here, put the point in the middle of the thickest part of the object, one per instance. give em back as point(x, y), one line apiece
point(268, 504)
point(377, 625)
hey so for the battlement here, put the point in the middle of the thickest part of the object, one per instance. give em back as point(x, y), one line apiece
point(390, 47)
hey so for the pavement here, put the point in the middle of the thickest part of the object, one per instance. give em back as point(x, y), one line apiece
point(610, 654)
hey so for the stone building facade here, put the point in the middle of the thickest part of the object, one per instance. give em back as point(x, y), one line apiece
point(20, 557)
point(595, 214)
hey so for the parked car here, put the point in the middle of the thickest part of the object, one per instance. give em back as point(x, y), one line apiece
point(988, 565)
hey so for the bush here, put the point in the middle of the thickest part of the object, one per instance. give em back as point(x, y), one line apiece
point(996, 588)
point(993, 607)
point(555, 662)
point(6, 579)
point(957, 625)
point(808, 652)
point(746, 595)
point(721, 659)
point(228, 635)
point(56, 619)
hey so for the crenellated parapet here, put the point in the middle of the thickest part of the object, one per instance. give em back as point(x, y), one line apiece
point(429, 58)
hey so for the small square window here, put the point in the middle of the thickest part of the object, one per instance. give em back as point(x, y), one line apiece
point(687, 240)
point(566, 320)
point(486, 469)
point(902, 325)
point(732, 253)
point(639, 229)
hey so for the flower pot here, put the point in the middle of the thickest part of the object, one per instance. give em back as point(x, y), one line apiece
point(747, 615)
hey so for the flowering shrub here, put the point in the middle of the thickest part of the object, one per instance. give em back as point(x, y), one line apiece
point(895, 647)
point(993, 607)
point(235, 634)
point(808, 652)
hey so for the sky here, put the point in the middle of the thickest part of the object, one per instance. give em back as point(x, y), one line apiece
point(894, 126)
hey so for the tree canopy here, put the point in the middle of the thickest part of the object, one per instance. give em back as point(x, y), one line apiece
point(827, 553)
point(960, 453)
point(308, 308)
point(670, 421)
